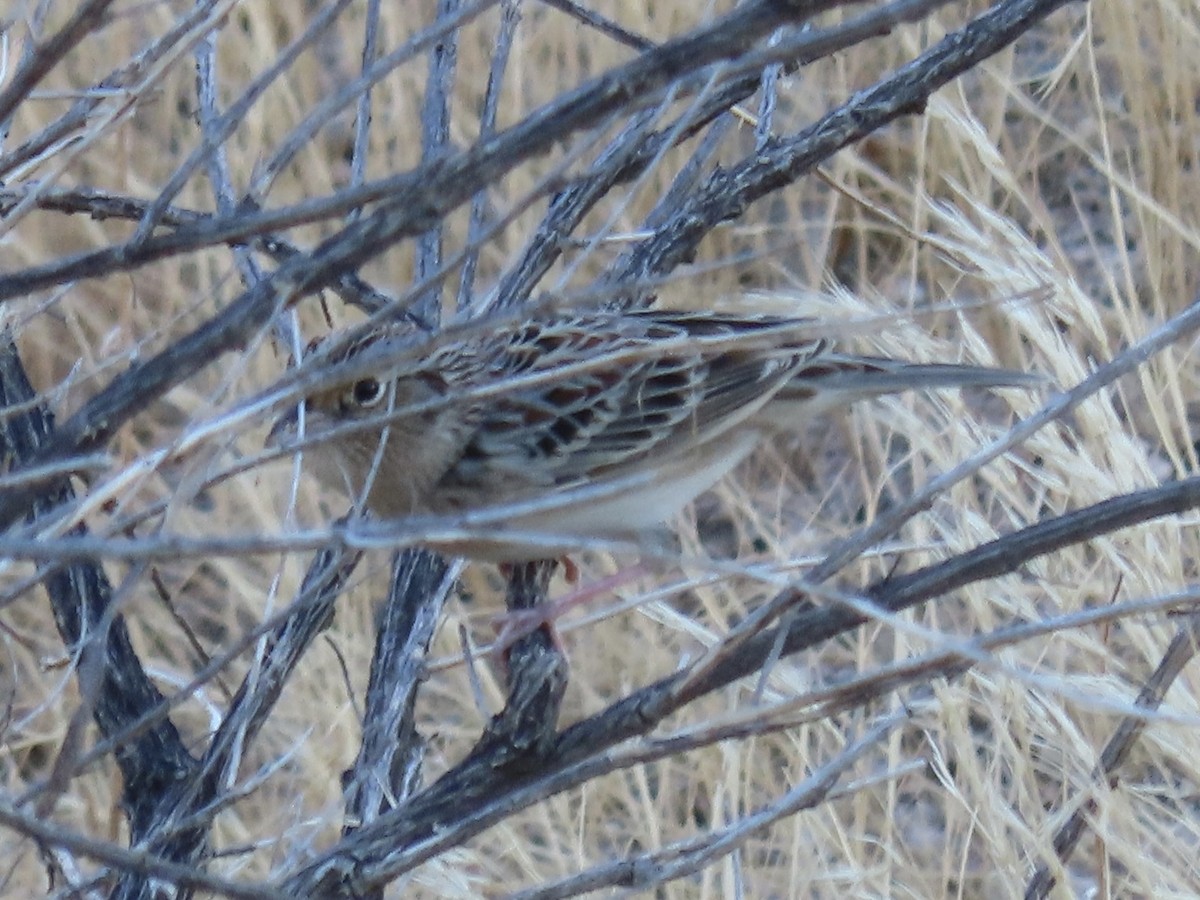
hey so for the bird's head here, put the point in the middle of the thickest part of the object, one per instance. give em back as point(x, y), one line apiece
point(371, 420)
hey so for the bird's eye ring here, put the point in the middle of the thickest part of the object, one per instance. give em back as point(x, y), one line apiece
point(366, 392)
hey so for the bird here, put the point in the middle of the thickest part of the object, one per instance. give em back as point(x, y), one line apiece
point(586, 425)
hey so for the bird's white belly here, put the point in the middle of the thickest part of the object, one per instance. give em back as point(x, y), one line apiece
point(644, 505)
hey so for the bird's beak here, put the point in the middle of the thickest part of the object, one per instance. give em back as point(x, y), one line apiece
point(284, 429)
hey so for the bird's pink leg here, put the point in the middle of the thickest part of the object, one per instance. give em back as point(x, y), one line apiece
point(514, 625)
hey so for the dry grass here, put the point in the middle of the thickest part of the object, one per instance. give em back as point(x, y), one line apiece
point(1069, 164)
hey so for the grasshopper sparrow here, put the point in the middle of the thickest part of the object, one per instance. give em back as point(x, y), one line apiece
point(584, 424)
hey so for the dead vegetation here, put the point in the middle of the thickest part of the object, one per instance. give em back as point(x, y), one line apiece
point(938, 647)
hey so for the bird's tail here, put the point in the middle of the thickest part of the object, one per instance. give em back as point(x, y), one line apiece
point(833, 380)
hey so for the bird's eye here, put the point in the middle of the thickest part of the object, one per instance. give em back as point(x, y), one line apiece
point(366, 392)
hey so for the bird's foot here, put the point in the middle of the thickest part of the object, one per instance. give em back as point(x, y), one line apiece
point(513, 625)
